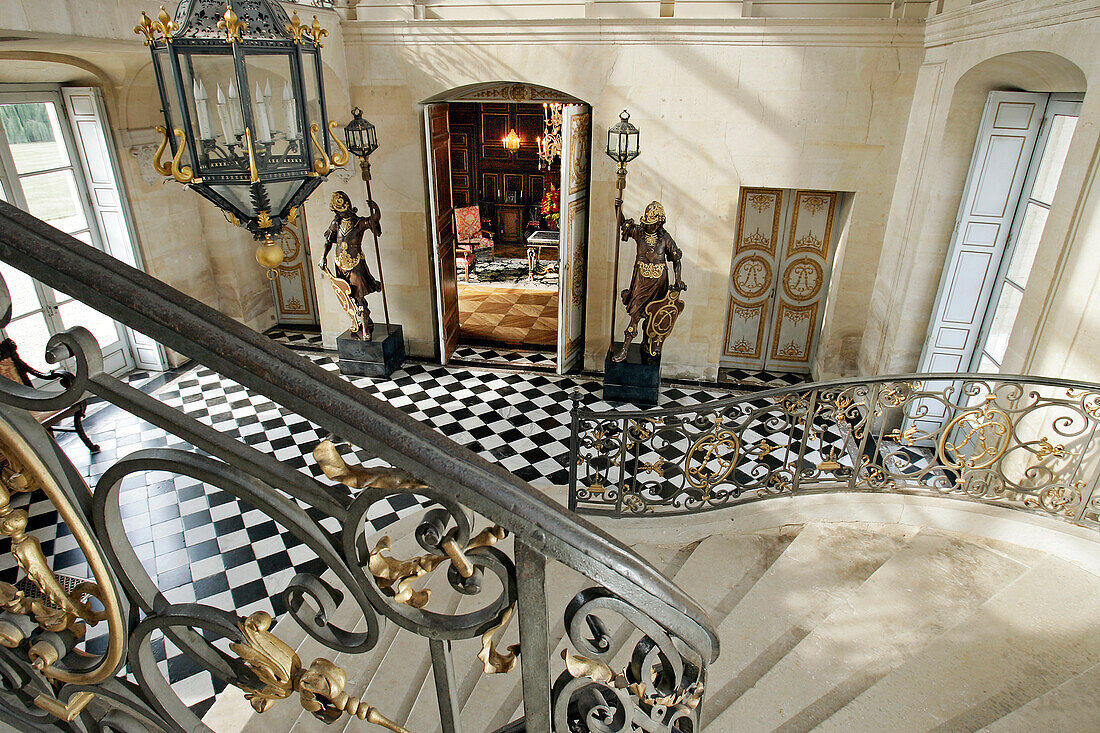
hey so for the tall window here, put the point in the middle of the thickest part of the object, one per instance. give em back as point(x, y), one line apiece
point(40, 173)
point(1027, 229)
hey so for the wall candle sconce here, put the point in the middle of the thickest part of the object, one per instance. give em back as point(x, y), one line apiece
point(511, 142)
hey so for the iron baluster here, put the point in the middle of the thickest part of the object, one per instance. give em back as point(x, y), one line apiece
point(534, 642)
point(574, 446)
point(807, 434)
point(446, 690)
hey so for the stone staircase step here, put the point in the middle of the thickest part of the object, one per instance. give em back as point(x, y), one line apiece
point(1069, 706)
point(742, 560)
point(935, 582)
point(816, 572)
point(1036, 634)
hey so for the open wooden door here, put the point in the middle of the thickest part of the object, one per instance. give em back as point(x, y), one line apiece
point(442, 226)
point(573, 241)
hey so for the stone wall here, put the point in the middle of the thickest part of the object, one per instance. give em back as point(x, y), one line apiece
point(1001, 45)
point(822, 105)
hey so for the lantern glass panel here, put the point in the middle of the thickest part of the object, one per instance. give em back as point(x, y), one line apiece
point(314, 104)
point(279, 194)
point(164, 67)
point(217, 118)
point(238, 197)
point(276, 134)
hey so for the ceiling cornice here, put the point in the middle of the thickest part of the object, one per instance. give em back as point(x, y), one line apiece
point(649, 32)
point(996, 17)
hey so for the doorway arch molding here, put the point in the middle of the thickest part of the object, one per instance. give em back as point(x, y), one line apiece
point(503, 91)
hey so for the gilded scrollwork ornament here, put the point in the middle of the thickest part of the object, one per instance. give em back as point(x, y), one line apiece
point(280, 674)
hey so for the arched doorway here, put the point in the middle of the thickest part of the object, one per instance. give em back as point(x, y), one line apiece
point(508, 228)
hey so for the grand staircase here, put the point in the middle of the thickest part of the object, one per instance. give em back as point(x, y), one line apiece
point(823, 626)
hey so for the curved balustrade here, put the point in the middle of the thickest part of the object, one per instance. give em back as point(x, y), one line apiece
point(1027, 443)
point(53, 679)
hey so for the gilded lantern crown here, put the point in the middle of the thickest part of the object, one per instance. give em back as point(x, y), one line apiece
point(242, 94)
point(654, 213)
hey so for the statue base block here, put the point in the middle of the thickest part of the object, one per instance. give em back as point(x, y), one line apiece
point(379, 357)
point(637, 379)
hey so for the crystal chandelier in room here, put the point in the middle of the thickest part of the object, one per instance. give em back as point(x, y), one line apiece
point(550, 143)
point(245, 124)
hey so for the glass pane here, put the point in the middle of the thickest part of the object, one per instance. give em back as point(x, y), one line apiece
point(30, 334)
point(313, 98)
point(53, 198)
point(1054, 156)
point(996, 342)
point(75, 313)
point(217, 120)
point(24, 298)
point(277, 131)
point(34, 136)
point(1027, 243)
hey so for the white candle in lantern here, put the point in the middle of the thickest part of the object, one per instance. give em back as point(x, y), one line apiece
point(223, 118)
point(270, 108)
point(235, 109)
point(290, 111)
point(259, 106)
point(202, 112)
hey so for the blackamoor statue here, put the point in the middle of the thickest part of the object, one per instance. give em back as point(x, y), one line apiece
point(649, 296)
point(351, 280)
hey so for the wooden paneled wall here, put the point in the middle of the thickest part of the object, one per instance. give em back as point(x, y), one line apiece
point(481, 169)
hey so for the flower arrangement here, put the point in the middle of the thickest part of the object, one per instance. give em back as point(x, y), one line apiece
point(551, 205)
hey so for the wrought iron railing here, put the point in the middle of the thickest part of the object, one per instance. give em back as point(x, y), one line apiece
point(53, 679)
point(1026, 443)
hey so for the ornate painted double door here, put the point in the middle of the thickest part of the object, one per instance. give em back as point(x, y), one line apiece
point(779, 278)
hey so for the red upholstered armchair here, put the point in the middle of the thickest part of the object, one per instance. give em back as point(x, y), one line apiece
point(474, 244)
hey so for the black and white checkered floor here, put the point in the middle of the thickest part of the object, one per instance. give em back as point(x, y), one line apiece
point(201, 545)
point(504, 356)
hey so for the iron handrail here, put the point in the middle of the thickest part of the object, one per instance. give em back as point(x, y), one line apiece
point(196, 330)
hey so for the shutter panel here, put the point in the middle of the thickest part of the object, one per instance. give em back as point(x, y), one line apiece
point(1006, 139)
point(84, 106)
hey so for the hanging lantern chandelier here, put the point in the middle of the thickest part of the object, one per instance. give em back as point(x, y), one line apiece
point(550, 143)
point(245, 123)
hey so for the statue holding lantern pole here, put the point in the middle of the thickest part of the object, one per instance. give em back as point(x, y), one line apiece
point(362, 352)
point(632, 373)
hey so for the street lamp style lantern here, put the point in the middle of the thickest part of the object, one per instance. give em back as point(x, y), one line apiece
point(242, 94)
point(622, 145)
point(361, 137)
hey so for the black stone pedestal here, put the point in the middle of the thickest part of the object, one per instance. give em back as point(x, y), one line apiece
point(379, 357)
point(637, 379)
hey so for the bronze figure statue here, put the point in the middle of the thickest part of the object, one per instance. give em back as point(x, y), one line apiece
point(649, 295)
point(352, 280)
